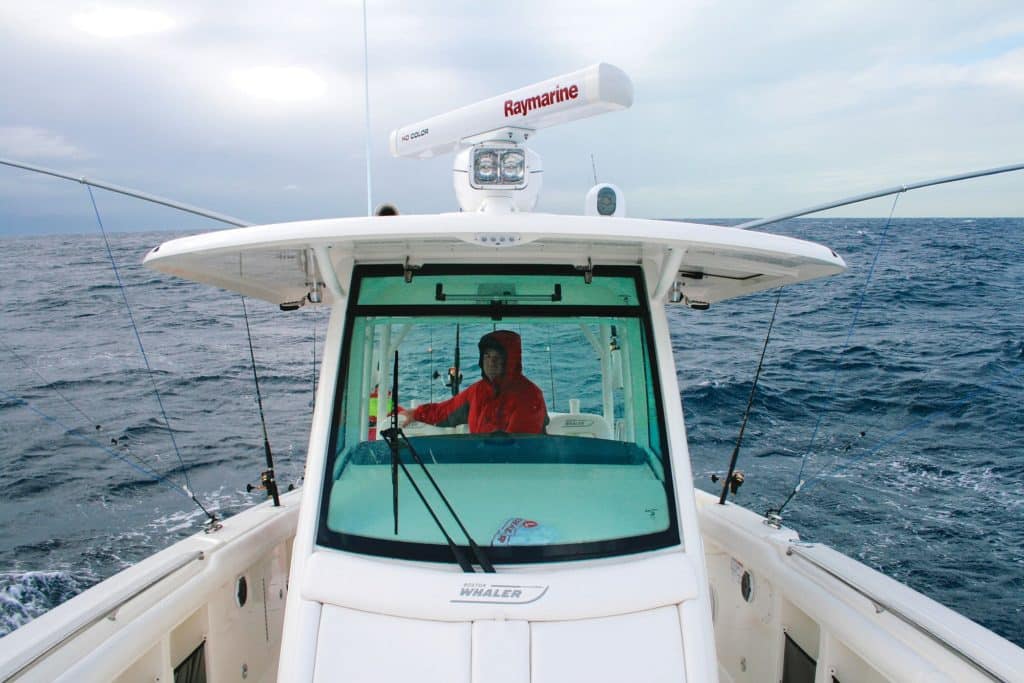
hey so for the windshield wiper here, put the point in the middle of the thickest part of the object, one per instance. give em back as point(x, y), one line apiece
point(478, 552)
point(392, 436)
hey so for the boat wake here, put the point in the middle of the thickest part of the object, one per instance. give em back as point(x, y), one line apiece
point(26, 595)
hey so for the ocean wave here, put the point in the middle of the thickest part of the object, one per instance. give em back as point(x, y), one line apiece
point(26, 595)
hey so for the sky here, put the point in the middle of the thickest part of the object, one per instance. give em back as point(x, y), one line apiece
point(741, 109)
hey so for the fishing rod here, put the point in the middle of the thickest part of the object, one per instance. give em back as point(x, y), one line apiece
point(456, 370)
point(733, 478)
point(267, 478)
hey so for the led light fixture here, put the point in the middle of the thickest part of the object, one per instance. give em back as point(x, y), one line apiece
point(485, 166)
point(499, 166)
point(513, 167)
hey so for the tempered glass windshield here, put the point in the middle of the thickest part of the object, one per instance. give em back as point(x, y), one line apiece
point(530, 396)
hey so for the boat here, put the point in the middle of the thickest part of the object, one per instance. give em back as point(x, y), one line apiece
point(571, 546)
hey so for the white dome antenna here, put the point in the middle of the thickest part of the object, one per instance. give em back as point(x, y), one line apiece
point(493, 171)
point(605, 199)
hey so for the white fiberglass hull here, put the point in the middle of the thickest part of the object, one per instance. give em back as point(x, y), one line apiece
point(140, 624)
point(855, 623)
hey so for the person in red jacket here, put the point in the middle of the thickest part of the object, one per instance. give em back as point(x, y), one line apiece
point(503, 401)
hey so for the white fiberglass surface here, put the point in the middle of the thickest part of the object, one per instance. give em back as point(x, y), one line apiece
point(556, 452)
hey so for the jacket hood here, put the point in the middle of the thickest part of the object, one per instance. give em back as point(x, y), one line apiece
point(511, 347)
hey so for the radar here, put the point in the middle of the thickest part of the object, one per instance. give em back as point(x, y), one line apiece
point(494, 171)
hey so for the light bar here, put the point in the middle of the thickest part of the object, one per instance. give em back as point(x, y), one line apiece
point(594, 90)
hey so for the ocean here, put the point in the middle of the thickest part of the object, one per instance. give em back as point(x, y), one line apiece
point(897, 401)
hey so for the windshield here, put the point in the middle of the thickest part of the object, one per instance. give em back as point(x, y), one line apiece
point(531, 397)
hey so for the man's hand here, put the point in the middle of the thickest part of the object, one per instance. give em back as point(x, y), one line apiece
point(404, 417)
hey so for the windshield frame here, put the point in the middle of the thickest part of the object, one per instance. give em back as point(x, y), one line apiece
point(520, 554)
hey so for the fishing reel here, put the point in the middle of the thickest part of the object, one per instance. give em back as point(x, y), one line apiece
point(453, 378)
point(735, 481)
point(267, 483)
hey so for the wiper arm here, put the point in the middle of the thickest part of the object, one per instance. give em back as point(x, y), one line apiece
point(478, 552)
point(392, 435)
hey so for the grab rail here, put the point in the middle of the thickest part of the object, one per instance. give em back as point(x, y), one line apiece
point(105, 609)
point(881, 605)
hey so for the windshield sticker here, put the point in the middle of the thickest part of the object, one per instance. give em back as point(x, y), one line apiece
point(522, 531)
point(492, 593)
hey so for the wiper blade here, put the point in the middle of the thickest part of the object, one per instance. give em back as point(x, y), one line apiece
point(393, 443)
point(392, 435)
point(478, 552)
point(460, 556)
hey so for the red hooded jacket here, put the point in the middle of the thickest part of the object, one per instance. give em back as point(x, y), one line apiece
point(511, 403)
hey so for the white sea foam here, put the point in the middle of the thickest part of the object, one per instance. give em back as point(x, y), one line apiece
point(26, 595)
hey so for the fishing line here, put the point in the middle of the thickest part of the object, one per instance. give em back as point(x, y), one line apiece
point(138, 337)
point(73, 431)
point(48, 382)
point(149, 369)
point(156, 200)
point(898, 436)
point(835, 372)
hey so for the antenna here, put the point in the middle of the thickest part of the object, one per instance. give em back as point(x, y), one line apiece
point(366, 90)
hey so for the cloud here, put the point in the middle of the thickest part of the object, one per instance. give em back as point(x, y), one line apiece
point(280, 84)
point(1004, 71)
point(26, 142)
point(121, 22)
point(741, 107)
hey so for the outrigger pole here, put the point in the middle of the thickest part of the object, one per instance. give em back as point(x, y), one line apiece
point(879, 193)
point(230, 220)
